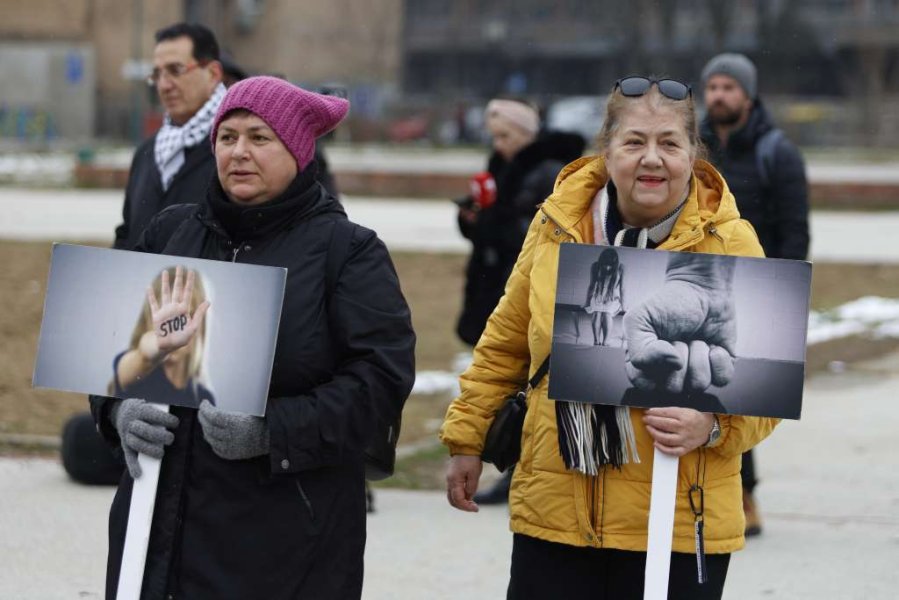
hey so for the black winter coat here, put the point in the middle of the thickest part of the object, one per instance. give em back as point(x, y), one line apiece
point(779, 211)
point(145, 198)
point(497, 235)
point(290, 524)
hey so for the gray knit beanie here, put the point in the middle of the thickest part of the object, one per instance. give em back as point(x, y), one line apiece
point(733, 65)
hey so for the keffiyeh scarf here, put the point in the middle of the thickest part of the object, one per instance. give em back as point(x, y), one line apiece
point(172, 139)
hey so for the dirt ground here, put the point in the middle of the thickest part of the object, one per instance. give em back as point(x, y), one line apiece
point(433, 285)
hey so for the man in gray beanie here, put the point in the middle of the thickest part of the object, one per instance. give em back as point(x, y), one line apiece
point(766, 174)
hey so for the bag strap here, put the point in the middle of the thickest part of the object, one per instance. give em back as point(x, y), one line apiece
point(540, 374)
point(765, 149)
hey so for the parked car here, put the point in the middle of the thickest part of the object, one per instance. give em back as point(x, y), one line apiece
point(577, 114)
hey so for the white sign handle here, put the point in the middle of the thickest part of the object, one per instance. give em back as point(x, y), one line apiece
point(140, 516)
point(661, 525)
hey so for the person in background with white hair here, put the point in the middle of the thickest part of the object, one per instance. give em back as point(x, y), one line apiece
point(520, 174)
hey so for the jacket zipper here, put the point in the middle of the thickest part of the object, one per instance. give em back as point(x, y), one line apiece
point(714, 231)
point(234, 253)
point(305, 499)
point(600, 494)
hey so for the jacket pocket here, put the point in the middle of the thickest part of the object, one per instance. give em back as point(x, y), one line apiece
point(306, 502)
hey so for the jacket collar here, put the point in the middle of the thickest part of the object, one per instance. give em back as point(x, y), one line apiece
point(709, 203)
point(303, 198)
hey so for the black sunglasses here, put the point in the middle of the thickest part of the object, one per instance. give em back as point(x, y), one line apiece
point(637, 86)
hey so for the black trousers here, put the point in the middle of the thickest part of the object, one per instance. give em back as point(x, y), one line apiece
point(747, 472)
point(546, 571)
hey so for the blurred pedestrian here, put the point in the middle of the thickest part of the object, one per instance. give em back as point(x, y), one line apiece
point(274, 506)
point(175, 165)
point(579, 501)
point(765, 173)
point(520, 175)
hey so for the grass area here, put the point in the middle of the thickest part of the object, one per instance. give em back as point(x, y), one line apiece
point(834, 284)
point(425, 469)
point(432, 284)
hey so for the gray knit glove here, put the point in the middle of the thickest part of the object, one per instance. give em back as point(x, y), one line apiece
point(233, 436)
point(143, 429)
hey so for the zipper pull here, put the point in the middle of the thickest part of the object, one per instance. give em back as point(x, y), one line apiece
point(234, 254)
point(697, 505)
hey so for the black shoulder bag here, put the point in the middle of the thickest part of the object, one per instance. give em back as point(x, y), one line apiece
point(502, 446)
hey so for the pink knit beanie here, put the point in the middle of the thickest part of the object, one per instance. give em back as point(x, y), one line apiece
point(297, 116)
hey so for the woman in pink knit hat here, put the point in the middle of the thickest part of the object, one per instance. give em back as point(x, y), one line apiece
point(274, 507)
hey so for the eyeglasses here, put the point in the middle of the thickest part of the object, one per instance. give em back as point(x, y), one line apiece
point(634, 87)
point(172, 71)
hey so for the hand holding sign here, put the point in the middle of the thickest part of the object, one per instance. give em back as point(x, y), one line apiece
point(173, 325)
point(683, 338)
point(143, 429)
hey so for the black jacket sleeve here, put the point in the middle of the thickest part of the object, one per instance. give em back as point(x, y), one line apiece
point(789, 196)
point(123, 231)
point(536, 187)
point(100, 407)
point(372, 333)
point(466, 228)
point(163, 226)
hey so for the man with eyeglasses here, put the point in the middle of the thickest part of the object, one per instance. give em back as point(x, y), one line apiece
point(172, 167)
point(175, 165)
point(766, 174)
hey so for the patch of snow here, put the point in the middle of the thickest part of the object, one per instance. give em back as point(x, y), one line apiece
point(870, 309)
point(435, 382)
point(33, 168)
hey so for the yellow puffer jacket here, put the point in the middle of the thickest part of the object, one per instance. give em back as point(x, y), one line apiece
point(609, 510)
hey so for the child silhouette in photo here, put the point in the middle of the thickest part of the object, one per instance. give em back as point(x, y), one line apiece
point(605, 295)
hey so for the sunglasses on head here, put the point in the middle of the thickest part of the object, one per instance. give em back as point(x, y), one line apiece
point(633, 87)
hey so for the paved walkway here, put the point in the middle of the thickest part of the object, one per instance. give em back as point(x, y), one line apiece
point(411, 159)
point(829, 495)
point(91, 215)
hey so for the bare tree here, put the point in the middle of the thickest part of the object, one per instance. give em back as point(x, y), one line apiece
point(668, 13)
point(720, 15)
point(633, 18)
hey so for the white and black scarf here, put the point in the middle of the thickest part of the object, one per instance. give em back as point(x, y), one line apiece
point(172, 139)
point(593, 435)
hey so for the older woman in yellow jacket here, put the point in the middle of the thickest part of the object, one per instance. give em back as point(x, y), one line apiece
point(581, 525)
